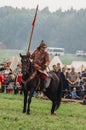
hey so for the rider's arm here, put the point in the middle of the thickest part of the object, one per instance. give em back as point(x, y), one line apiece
point(47, 60)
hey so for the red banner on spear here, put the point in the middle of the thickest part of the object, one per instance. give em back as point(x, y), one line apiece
point(33, 24)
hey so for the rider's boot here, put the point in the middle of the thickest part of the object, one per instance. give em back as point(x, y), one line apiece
point(43, 88)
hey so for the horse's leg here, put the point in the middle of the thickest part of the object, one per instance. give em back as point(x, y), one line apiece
point(29, 100)
point(25, 101)
point(53, 107)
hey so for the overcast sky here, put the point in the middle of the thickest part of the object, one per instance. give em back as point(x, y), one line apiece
point(52, 4)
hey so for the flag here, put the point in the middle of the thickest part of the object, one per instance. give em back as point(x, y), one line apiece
point(33, 22)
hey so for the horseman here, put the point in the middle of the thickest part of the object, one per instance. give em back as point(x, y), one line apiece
point(41, 60)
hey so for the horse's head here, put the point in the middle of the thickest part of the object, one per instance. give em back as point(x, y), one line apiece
point(26, 64)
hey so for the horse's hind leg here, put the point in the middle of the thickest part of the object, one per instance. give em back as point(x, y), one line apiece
point(25, 101)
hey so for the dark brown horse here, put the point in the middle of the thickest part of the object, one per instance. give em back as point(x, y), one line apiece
point(53, 92)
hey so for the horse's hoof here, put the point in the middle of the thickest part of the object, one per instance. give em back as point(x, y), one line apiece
point(54, 114)
point(24, 111)
point(28, 113)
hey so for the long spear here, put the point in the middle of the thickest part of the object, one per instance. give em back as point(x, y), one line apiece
point(33, 24)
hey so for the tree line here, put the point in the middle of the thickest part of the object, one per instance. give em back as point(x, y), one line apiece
point(58, 29)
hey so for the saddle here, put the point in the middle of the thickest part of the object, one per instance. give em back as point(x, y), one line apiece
point(43, 81)
point(51, 75)
point(54, 76)
point(46, 77)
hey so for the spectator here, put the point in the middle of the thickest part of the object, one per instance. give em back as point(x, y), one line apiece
point(10, 83)
point(2, 81)
point(64, 81)
point(72, 79)
point(7, 71)
point(55, 69)
point(80, 87)
point(74, 94)
point(84, 76)
point(18, 68)
point(18, 83)
point(84, 80)
point(67, 71)
point(58, 68)
point(4, 65)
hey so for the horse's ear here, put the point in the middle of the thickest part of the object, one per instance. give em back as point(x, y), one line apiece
point(20, 55)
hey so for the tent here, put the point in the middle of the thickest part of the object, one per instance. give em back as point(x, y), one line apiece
point(79, 65)
point(54, 61)
point(14, 61)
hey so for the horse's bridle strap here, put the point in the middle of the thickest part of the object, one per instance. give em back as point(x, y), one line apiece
point(30, 78)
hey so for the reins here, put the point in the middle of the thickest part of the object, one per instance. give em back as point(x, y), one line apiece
point(29, 78)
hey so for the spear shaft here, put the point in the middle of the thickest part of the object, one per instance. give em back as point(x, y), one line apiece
point(33, 24)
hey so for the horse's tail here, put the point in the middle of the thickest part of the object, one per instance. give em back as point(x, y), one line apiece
point(59, 94)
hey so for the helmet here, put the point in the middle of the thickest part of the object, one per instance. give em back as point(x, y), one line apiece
point(42, 44)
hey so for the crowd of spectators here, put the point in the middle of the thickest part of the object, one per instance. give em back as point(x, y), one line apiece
point(10, 81)
point(74, 83)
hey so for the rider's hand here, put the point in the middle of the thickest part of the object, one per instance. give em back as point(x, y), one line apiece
point(43, 67)
point(36, 66)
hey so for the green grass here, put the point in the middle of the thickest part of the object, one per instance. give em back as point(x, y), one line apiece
point(68, 58)
point(70, 116)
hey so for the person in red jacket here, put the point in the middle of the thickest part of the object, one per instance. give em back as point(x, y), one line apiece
point(18, 82)
point(2, 81)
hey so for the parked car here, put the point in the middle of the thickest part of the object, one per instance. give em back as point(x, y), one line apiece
point(79, 53)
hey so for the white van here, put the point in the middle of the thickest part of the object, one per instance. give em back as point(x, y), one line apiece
point(79, 53)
